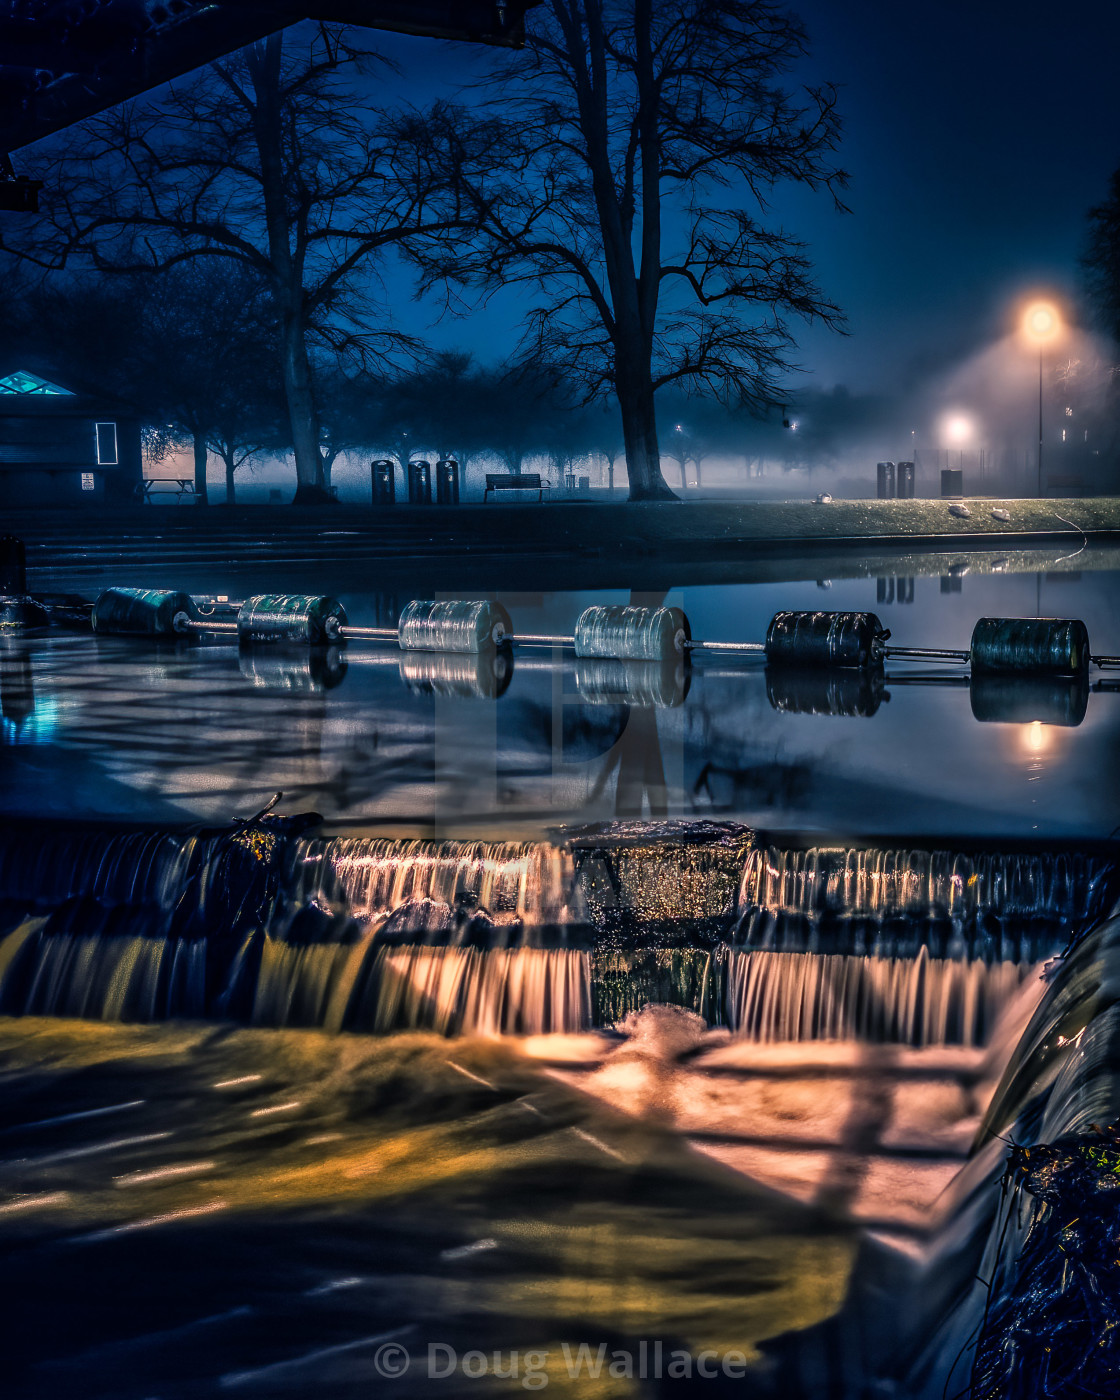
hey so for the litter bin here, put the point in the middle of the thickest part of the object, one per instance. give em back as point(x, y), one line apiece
point(419, 483)
point(884, 472)
point(384, 476)
point(952, 481)
point(584, 483)
point(13, 566)
point(905, 481)
point(447, 481)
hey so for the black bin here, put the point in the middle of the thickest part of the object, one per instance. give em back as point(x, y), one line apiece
point(884, 475)
point(13, 566)
point(419, 483)
point(952, 482)
point(447, 481)
point(384, 476)
point(904, 481)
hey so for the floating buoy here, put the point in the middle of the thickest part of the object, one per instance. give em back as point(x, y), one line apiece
point(144, 612)
point(1026, 645)
point(660, 685)
point(302, 669)
point(823, 639)
point(22, 614)
point(631, 633)
point(459, 626)
point(1057, 700)
point(290, 617)
point(814, 691)
point(475, 675)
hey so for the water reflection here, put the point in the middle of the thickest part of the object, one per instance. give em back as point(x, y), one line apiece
point(531, 738)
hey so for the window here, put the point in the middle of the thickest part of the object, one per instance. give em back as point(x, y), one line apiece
point(106, 444)
point(21, 382)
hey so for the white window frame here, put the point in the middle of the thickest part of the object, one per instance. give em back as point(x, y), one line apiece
point(113, 461)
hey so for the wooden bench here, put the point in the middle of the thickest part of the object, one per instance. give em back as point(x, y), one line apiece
point(166, 485)
point(1065, 483)
point(523, 481)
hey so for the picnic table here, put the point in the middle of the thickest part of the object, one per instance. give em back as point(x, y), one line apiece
point(179, 486)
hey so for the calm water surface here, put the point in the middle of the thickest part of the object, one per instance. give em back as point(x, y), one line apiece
point(124, 728)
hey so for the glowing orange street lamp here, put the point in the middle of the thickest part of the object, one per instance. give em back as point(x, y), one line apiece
point(1042, 325)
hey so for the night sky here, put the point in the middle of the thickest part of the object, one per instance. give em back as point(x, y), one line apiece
point(977, 136)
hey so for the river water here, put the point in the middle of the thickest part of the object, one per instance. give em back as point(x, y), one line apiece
point(554, 1004)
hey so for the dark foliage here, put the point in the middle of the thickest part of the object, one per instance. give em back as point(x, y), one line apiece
point(1053, 1330)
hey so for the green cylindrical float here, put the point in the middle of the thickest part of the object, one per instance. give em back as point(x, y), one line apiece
point(1042, 646)
point(290, 617)
point(825, 639)
point(815, 691)
point(142, 612)
point(461, 625)
point(631, 633)
point(292, 669)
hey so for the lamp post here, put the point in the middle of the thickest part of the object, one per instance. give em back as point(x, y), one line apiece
point(1041, 326)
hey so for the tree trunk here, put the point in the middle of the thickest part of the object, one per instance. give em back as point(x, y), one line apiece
point(310, 483)
point(264, 61)
point(231, 489)
point(639, 432)
point(699, 479)
point(200, 469)
point(684, 474)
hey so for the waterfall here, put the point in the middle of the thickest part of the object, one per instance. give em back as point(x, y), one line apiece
point(101, 977)
point(527, 882)
point(504, 991)
point(261, 923)
point(883, 901)
point(308, 985)
point(908, 1001)
point(44, 863)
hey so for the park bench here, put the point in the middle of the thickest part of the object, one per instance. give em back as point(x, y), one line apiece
point(1065, 483)
point(180, 486)
point(522, 481)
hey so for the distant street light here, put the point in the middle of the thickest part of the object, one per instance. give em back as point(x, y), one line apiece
point(1041, 326)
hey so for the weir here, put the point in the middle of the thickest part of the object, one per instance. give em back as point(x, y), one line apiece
point(276, 925)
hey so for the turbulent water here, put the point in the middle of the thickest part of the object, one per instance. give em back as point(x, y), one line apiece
point(265, 925)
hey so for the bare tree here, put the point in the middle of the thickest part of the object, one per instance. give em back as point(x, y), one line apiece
point(623, 170)
point(272, 162)
point(1100, 261)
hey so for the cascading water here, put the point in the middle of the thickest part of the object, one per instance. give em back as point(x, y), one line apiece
point(903, 946)
point(260, 923)
point(798, 900)
point(527, 882)
point(907, 1001)
point(449, 939)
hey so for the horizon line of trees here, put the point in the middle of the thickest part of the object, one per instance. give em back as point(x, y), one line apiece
point(619, 170)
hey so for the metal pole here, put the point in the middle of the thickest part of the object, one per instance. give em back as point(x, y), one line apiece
point(1040, 422)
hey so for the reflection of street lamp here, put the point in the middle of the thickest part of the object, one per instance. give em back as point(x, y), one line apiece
point(1041, 326)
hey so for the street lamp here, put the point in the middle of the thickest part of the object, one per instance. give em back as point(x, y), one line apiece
point(1041, 326)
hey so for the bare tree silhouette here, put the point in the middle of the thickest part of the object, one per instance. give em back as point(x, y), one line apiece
point(623, 172)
